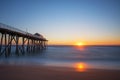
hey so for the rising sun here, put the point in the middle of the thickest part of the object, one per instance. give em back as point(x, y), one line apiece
point(80, 43)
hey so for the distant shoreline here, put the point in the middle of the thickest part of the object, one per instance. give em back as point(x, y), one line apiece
point(84, 45)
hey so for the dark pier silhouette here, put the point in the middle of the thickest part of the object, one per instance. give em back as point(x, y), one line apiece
point(21, 40)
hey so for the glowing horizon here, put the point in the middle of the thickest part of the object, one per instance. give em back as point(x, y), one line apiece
point(85, 43)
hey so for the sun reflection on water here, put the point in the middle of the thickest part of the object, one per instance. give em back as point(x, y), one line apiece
point(80, 67)
point(81, 48)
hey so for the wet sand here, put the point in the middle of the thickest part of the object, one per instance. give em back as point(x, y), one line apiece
point(15, 72)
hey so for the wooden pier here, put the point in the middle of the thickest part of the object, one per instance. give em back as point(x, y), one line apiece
point(23, 42)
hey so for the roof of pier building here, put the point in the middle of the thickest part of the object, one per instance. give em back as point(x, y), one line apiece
point(37, 34)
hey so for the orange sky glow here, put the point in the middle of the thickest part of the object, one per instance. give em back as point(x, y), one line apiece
point(117, 42)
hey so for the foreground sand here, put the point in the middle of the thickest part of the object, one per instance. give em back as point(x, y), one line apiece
point(12, 72)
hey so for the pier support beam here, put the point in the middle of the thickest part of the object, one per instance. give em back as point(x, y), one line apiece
point(28, 45)
point(23, 43)
point(9, 43)
point(6, 52)
point(17, 50)
point(1, 43)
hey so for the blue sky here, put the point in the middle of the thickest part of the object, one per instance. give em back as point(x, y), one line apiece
point(65, 21)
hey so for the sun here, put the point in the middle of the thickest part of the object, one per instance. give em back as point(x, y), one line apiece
point(80, 46)
point(80, 43)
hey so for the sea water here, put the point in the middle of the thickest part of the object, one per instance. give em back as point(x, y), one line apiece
point(94, 57)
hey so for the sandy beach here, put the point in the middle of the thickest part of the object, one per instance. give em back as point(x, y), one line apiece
point(15, 72)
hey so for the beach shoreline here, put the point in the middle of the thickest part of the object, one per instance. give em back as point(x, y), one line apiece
point(35, 72)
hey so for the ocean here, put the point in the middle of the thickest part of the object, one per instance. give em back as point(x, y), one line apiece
point(93, 57)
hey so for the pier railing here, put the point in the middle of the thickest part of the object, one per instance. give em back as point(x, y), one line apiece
point(4, 26)
point(12, 29)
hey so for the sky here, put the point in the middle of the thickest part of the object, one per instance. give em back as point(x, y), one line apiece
point(66, 22)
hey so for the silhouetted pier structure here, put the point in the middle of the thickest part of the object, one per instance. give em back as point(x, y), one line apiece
point(21, 40)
